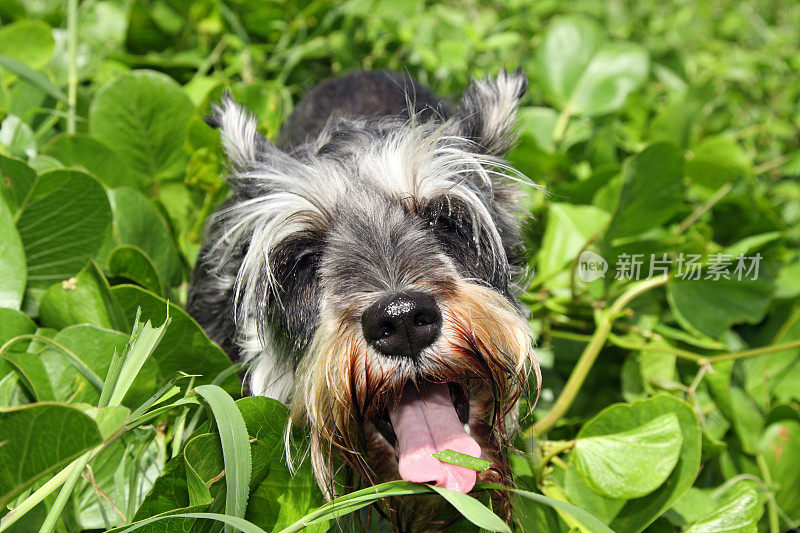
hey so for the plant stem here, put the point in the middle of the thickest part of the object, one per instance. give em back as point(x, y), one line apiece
point(589, 355)
point(772, 508)
point(561, 124)
point(72, 48)
point(700, 211)
point(752, 353)
point(76, 468)
point(43, 492)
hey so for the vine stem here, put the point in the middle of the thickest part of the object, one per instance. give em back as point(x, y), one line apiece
point(72, 79)
point(589, 355)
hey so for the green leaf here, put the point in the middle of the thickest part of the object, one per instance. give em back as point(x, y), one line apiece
point(780, 447)
point(230, 521)
point(738, 513)
point(132, 263)
point(35, 78)
point(18, 137)
point(82, 151)
point(145, 338)
point(583, 74)
point(85, 299)
point(137, 222)
point(651, 192)
point(14, 323)
point(632, 463)
point(143, 115)
point(28, 41)
point(472, 509)
point(637, 513)
point(37, 440)
point(235, 448)
point(12, 261)
point(569, 228)
point(62, 223)
point(463, 460)
point(584, 518)
point(712, 306)
point(185, 347)
point(95, 347)
point(717, 160)
point(17, 182)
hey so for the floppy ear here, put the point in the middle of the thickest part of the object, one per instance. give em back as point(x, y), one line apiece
point(488, 111)
point(244, 146)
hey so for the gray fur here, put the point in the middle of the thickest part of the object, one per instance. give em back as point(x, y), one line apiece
point(372, 203)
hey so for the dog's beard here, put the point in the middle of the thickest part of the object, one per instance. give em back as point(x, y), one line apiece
point(384, 416)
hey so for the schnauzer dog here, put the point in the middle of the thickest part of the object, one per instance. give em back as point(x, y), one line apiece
point(366, 269)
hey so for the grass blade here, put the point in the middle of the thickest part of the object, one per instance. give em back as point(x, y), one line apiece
point(591, 522)
point(37, 79)
point(473, 510)
point(230, 522)
point(235, 448)
point(144, 340)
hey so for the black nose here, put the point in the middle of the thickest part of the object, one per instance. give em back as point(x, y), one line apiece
point(402, 324)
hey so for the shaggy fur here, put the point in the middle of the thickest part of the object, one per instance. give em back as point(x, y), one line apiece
point(376, 188)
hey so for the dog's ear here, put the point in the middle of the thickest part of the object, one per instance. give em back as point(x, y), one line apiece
point(244, 145)
point(488, 111)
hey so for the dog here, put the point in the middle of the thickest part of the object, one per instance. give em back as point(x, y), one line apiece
point(366, 268)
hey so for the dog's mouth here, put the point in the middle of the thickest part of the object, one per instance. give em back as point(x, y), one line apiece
point(431, 417)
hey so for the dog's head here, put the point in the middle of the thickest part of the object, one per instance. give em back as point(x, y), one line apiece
point(376, 291)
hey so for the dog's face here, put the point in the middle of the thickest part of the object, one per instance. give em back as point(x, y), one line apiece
point(376, 292)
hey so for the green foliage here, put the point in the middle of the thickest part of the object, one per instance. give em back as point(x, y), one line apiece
point(664, 133)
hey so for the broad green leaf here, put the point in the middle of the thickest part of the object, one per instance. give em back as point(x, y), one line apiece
point(143, 116)
point(738, 513)
point(17, 137)
point(279, 497)
point(632, 463)
point(62, 223)
point(583, 74)
point(86, 298)
point(780, 447)
point(538, 123)
point(80, 150)
point(185, 347)
point(137, 222)
point(132, 263)
point(12, 261)
point(637, 513)
point(472, 510)
point(14, 323)
point(651, 192)
point(717, 160)
point(37, 440)
point(109, 419)
point(27, 41)
point(712, 306)
point(569, 228)
point(95, 347)
point(235, 448)
point(461, 459)
point(18, 180)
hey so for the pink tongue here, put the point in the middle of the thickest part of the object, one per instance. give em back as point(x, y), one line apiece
point(426, 424)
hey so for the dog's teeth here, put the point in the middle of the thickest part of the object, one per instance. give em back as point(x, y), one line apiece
point(466, 428)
